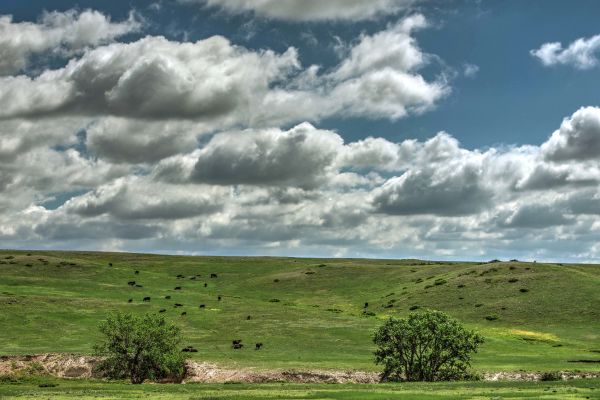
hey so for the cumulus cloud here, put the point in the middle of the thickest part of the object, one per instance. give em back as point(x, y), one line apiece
point(302, 156)
point(136, 198)
point(214, 81)
point(56, 32)
point(578, 137)
point(581, 53)
point(150, 78)
point(122, 140)
point(458, 190)
point(311, 10)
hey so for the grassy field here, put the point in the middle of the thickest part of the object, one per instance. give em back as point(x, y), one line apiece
point(84, 390)
point(307, 312)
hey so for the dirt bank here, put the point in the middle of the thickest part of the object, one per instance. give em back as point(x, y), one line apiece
point(78, 366)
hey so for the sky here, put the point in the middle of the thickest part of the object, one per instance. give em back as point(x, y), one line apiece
point(455, 130)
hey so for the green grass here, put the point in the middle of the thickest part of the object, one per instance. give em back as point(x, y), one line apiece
point(318, 322)
point(84, 390)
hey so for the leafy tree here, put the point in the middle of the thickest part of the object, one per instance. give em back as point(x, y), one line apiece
point(426, 346)
point(140, 348)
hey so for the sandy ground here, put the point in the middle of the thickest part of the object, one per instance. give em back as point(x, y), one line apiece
point(78, 366)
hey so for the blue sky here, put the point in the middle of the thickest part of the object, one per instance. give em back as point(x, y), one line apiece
point(478, 147)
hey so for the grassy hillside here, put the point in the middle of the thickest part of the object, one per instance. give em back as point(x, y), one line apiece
point(539, 316)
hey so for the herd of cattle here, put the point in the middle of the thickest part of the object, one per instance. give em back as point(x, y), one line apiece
point(235, 344)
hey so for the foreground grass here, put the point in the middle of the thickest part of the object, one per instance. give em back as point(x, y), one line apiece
point(543, 316)
point(83, 390)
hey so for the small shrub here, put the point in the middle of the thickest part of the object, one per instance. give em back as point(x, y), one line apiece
point(368, 313)
point(491, 317)
point(513, 280)
point(551, 376)
point(412, 308)
point(274, 301)
point(461, 286)
point(47, 385)
point(478, 305)
point(439, 282)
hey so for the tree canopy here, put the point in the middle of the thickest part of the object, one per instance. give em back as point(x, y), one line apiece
point(140, 348)
point(425, 346)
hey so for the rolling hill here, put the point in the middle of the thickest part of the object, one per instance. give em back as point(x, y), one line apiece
point(308, 313)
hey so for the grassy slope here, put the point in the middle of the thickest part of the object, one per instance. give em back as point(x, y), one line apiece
point(83, 390)
point(56, 308)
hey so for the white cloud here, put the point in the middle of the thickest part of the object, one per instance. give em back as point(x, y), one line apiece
point(311, 10)
point(215, 82)
point(581, 53)
point(578, 137)
point(67, 32)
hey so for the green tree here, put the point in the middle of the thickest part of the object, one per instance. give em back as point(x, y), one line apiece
point(425, 346)
point(140, 348)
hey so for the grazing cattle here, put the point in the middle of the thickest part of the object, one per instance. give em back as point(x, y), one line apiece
point(167, 297)
point(189, 349)
point(180, 276)
point(137, 272)
point(130, 300)
point(258, 346)
point(193, 278)
point(131, 283)
point(110, 264)
point(177, 287)
point(219, 298)
point(213, 275)
point(248, 318)
point(178, 305)
point(146, 298)
point(202, 305)
point(183, 313)
point(366, 305)
point(205, 284)
point(162, 310)
point(237, 344)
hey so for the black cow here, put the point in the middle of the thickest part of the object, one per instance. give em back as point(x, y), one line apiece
point(167, 297)
point(131, 283)
point(130, 300)
point(162, 310)
point(205, 284)
point(137, 272)
point(213, 275)
point(248, 318)
point(178, 305)
point(189, 349)
point(146, 298)
point(258, 346)
point(183, 313)
point(219, 298)
point(237, 344)
point(177, 287)
point(180, 276)
point(202, 306)
point(366, 305)
point(110, 264)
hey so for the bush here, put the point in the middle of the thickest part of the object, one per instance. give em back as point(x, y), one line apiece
point(140, 348)
point(551, 376)
point(425, 346)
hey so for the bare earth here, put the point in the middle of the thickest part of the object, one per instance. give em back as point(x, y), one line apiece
point(78, 366)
